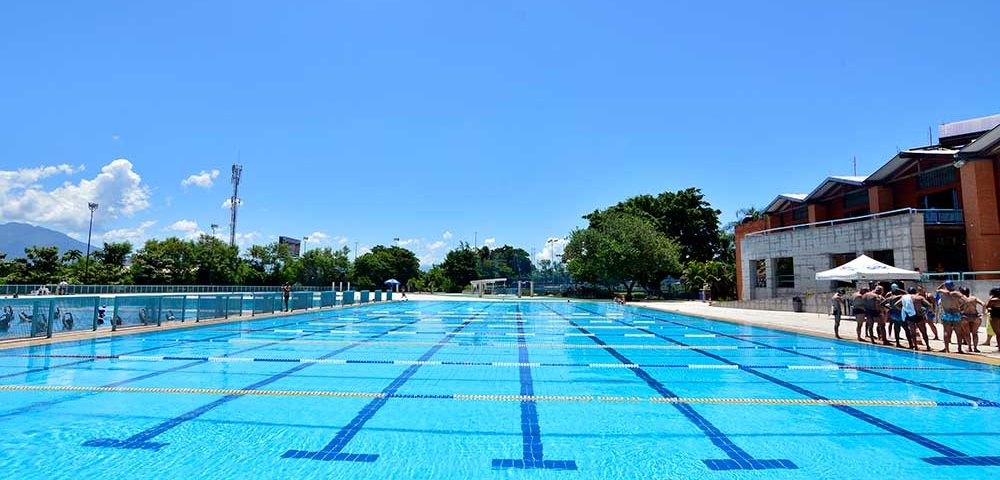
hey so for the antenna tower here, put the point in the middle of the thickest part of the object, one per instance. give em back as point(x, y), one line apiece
point(234, 201)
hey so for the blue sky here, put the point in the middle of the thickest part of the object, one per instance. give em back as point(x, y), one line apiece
point(364, 121)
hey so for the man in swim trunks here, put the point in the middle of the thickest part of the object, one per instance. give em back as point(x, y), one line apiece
point(928, 315)
point(970, 314)
point(858, 309)
point(873, 314)
point(911, 305)
point(838, 304)
point(894, 313)
point(951, 314)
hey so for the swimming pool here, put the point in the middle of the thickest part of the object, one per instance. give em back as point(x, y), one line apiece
point(491, 390)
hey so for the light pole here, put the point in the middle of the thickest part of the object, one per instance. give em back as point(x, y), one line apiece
point(304, 240)
point(86, 266)
point(355, 251)
point(215, 229)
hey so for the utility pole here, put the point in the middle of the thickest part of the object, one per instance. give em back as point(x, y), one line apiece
point(355, 251)
point(304, 240)
point(234, 202)
point(215, 229)
point(86, 266)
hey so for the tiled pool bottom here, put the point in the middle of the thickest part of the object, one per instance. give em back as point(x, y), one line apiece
point(491, 390)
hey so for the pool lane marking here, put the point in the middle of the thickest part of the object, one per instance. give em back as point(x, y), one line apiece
point(142, 439)
point(487, 397)
point(532, 449)
point(949, 456)
point(194, 362)
point(334, 449)
point(738, 459)
point(827, 360)
point(167, 358)
point(638, 346)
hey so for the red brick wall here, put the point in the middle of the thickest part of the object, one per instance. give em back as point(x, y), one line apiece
point(741, 231)
point(982, 223)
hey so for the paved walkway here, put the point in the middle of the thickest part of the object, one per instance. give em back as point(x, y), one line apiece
point(809, 323)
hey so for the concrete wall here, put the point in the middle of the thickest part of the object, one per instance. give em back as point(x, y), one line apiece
point(812, 248)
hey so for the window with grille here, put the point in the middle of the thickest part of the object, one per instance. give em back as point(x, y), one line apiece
point(937, 178)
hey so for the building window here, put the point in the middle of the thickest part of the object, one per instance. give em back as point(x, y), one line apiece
point(801, 213)
point(856, 199)
point(884, 256)
point(760, 273)
point(784, 269)
point(937, 177)
point(946, 199)
point(838, 259)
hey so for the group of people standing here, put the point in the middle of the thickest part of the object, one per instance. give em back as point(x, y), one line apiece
point(882, 312)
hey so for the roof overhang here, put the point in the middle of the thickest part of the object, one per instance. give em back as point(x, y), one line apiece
point(985, 146)
point(781, 201)
point(832, 182)
point(902, 159)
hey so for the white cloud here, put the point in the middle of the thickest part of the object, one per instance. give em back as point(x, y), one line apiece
point(246, 240)
point(553, 249)
point(341, 240)
point(406, 242)
point(490, 242)
point(136, 235)
point(183, 226)
point(118, 189)
point(447, 235)
point(187, 228)
point(203, 179)
point(437, 245)
point(229, 202)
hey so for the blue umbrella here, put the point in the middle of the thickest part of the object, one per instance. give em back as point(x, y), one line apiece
point(392, 281)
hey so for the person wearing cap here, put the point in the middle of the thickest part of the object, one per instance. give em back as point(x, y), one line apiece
point(873, 313)
point(893, 312)
point(951, 314)
point(928, 316)
point(858, 309)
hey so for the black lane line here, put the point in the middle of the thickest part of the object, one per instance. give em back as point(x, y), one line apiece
point(334, 449)
point(738, 459)
point(949, 456)
point(142, 439)
point(532, 455)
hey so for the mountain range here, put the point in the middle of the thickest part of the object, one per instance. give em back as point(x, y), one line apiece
point(15, 237)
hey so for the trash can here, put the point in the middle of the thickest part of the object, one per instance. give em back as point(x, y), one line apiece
point(797, 305)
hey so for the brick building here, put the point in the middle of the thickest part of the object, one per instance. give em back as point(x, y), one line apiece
point(933, 208)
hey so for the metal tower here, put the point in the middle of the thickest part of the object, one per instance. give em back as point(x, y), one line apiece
point(234, 201)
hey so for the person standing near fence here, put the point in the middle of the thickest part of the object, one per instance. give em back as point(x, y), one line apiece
point(286, 293)
point(837, 303)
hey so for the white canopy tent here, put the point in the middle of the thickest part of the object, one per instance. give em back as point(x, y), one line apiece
point(867, 268)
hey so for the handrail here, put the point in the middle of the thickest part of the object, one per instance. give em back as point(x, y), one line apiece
point(852, 219)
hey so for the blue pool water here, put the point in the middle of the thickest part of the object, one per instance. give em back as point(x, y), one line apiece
point(428, 390)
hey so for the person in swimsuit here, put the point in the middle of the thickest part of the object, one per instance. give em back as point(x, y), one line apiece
point(873, 312)
point(970, 314)
point(909, 306)
point(951, 314)
point(858, 309)
point(837, 303)
point(286, 292)
point(892, 310)
point(928, 315)
point(993, 307)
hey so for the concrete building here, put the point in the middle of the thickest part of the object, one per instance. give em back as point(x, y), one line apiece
point(933, 208)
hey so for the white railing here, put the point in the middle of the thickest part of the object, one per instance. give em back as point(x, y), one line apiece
point(934, 215)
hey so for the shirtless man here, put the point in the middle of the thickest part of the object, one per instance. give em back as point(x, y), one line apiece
point(873, 312)
point(858, 309)
point(893, 306)
point(970, 314)
point(951, 314)
point(837, 304)
point(928, 316)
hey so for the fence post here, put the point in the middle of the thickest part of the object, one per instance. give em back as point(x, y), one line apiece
point(159, 311)
point(52, 311)
point(93, 318)
point(114, 315)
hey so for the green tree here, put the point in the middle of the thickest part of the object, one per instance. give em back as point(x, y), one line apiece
point(683, 215)
point(167, 262)
point(622, 249)
point(433, 280)
point(383, 263)
point(42, 265)
point(324, 266)
point(216, 262)
point(459, 266)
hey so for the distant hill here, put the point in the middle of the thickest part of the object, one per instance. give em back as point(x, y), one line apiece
point(14, 237)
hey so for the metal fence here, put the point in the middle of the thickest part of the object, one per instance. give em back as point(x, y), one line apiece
point(44, 317)
point(56, 289)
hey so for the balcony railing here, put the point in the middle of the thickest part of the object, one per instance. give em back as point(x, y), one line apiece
point(935, 216)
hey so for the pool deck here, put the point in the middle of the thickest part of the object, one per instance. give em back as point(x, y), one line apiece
point(817, 324)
